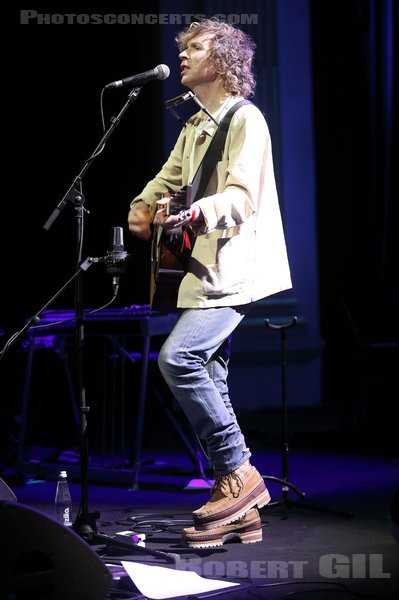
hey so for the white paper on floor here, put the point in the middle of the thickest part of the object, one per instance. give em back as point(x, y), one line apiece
point(160, 582)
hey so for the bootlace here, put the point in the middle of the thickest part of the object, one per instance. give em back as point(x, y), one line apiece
point(227, 480)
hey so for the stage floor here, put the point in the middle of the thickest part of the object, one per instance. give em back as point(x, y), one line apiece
point(304, 553)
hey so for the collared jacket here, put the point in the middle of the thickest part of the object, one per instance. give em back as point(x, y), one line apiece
point(239, 255)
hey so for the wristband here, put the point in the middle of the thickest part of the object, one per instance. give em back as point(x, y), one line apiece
point(190, 214)
point(194, 213)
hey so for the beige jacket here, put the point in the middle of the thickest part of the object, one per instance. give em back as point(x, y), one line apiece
point(240, 254)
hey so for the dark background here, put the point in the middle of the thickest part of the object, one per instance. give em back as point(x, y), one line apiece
point(53, 123)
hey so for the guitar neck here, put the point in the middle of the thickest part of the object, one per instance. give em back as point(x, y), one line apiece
point(181, 200)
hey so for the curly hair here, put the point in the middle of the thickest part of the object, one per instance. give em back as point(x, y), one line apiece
point(231, 53)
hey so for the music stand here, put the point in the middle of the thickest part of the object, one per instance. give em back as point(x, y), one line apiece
point(285, 500)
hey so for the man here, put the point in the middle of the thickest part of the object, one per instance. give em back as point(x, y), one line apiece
point(239, 256)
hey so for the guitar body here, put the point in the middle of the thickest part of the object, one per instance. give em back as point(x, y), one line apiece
point(170, 253)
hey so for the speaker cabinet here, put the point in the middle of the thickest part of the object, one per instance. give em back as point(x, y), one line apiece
point(42, 560)
point(6, 493)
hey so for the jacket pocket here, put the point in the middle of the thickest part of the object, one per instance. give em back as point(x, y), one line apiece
point(231, 270)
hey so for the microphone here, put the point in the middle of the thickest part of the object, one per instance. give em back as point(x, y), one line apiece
point(115, 258)
point(160, 72)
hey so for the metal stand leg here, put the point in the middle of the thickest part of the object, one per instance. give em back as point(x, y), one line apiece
point(195, 454)
point(63, 355)
point(286, 485)
point(24, 411)
point(141, 410)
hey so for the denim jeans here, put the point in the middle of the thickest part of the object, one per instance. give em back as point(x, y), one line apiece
point(194, 363)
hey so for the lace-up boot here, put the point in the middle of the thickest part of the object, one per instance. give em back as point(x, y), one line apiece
point(233, 495)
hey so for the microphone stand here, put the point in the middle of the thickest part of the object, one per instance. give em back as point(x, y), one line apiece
point(85, 523)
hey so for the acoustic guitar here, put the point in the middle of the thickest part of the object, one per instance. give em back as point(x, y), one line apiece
point(170, 252)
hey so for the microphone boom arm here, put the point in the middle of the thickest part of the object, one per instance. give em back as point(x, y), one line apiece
point(35, 319)
point(73, 194)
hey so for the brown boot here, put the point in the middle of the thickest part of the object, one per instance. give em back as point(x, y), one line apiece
point(247, 530)
point(232, 497)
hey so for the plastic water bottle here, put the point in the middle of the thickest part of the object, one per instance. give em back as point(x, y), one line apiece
point(62, 502)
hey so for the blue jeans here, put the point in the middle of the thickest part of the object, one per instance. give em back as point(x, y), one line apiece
point(193, 362)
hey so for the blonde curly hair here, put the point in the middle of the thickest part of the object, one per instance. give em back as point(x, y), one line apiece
point(231, 53)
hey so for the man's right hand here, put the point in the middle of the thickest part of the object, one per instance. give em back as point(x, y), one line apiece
point(139, 221)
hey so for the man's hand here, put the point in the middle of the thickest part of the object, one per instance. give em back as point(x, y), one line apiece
point(139, 221)
point(169, 222)
point(163, 219)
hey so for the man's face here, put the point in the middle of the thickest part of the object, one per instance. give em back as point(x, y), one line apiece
point(195, 67)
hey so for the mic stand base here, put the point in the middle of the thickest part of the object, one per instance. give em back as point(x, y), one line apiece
point(287, 502)
point(85, 526)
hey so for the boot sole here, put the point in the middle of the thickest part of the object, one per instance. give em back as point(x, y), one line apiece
point(251, 536)
point(261, 500)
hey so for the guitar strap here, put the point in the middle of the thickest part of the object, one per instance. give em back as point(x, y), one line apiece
point(208, 163)
point(182, 245)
